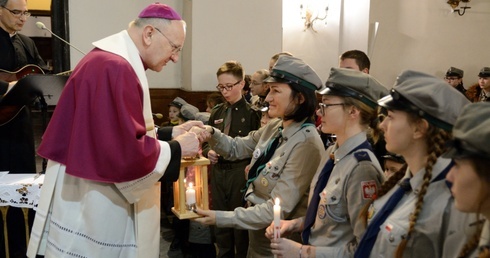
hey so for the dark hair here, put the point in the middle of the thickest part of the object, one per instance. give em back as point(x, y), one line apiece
point(305, 109)
point(215, 98)
point(362, 60)
point(247, 79)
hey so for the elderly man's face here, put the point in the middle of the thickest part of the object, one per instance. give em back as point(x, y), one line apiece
point(166, 45)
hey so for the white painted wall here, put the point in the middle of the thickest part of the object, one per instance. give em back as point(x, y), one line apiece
point(91, 20)
point(425, 36)
point(247, 31)
point(418, 34)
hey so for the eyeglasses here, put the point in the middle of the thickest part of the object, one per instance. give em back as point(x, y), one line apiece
point(227, 87)
point(18, 13)
point(256, 83)
point(323, 107)
point(175, 49)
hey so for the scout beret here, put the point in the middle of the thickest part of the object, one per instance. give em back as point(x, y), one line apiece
point(188, 112)
point(177, 102)
point(427, 96)
point(453, 71)
point(356, 84)
point(471, 136)
point(289, 69)
point(395, 157)
point(484, 72)
point(158, 10)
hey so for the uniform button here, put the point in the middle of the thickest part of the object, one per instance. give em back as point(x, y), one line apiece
point(333, 198)
point(307, 130)
point(337, 180)
point(239, 131)
point(282, 154)
point(236, 108)
point(391, 239)
point(276, 167)
point(285, 139)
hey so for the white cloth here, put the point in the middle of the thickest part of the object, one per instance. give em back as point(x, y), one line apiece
point(83, 218)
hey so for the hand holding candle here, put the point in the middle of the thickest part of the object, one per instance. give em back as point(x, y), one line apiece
point(277, 219)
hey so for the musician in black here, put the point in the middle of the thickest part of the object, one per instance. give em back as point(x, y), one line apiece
point(17, 154)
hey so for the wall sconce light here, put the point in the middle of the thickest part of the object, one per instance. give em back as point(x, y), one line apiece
point(455, 3)
point(311, 14)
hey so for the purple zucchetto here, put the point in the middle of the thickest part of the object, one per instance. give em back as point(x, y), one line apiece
point(158, 10)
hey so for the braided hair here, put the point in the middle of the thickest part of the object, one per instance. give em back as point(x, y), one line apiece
point(435, 140)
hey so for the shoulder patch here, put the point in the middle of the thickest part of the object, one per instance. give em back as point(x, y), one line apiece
point(369, 189)
point(362, 156)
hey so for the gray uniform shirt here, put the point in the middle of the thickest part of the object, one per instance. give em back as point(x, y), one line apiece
point(440, 231)
point(287, 175)
point(351, 185)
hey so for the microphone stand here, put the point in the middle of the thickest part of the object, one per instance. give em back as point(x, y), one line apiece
point(44, 117)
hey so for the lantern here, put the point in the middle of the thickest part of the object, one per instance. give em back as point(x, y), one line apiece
point(191, 190)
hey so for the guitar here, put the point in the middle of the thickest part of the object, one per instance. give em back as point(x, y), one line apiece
point(9, 111)
point(21, 73)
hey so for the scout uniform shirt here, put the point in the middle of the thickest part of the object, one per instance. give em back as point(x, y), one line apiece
point(352, 184)
point(440, 230)
point(287, 176)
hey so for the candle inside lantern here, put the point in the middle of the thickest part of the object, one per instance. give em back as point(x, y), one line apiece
point(190, 195)
point(277, 219)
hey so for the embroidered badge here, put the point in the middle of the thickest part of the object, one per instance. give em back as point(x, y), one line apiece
point(266, 169)
point(371, 212)
point(322, 211)
point(264, 181)
point(368, 189)
point(388, 227)
point(257, 153)
point(218, 121)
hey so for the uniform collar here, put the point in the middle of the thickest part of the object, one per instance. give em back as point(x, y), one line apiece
point(241, 102)
point(292, 129)
point(354, 141)
point(417, 180)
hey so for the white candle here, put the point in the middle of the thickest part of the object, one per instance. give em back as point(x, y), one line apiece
point(277, 219)
point(190, 195)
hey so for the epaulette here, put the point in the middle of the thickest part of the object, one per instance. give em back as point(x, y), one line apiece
point(362, 156)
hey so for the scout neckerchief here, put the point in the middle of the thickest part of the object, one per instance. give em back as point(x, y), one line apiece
point(369, 238)
point(320, 185)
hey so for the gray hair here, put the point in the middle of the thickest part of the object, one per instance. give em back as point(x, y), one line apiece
point(3, 2)
point(141, 22)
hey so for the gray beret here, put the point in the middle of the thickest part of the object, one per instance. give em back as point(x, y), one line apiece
point(188, 111)
point(290, 69)
point(178, 102)
point(484, 72)
point(471, 134)
point(428, 96)
point(453, 71)
point(356, 84)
